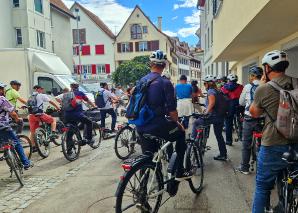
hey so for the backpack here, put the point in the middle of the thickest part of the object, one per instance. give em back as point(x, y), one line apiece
point(32, 104)
point(252, 94)
point(221, 104)
point(138, 112)
point(69, 102)
point(99, 99)
point(287, 115)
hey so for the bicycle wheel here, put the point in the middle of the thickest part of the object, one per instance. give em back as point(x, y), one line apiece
point(97, 141)
point(60, 126)
point(136, 186)
point(27, 145)
point(43, 146)
point(123, 143)
point(194, 163)
point(15, 165)
point(71, 145)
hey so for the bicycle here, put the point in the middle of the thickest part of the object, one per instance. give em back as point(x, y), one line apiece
point(238, 123)
point(203, 132)
point(153, 175)
point(59, 126)
point(125, 141)
point(12, 159)
point(72, 139)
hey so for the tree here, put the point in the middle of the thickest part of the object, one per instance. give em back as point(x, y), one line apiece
point(131, 71)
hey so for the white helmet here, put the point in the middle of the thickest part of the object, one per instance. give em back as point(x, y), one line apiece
point(232, 77)
point(209, 78)
point(2, 85)
point(158, 57)
point(275, 57)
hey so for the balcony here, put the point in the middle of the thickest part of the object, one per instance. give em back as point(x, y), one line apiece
point(242, 29)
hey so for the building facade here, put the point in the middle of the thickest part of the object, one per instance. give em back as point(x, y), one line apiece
point(139, 36)
point(245, 39)
point(93, 47)
point(206, 34)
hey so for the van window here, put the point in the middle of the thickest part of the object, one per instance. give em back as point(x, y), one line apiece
point(48, 84)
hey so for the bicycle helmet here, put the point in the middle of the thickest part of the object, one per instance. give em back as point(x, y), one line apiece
point(158, 57)
point(15, 82)
point(232, 77)
point(277, 60)
point(257, 71)
point(209, 78)
point(2, 86)
point(74, 85)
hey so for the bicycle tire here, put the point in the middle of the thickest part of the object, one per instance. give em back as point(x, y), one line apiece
point(60, 126)
point(126, 180)
point(40, 138)
point(27, 145)
point(77, 147)
point(97, 143)
point(119, 141)
point(14, 165)
point(193, 153)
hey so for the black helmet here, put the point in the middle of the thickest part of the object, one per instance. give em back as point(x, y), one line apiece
point(257, 71)
point(74, 85)
point(15, 82)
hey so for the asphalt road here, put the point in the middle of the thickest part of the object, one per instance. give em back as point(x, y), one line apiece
point(55, 185)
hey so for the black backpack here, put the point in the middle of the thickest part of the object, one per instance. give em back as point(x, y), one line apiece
point(221, 104)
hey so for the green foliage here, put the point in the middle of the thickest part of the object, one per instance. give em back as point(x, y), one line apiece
point(131, 71)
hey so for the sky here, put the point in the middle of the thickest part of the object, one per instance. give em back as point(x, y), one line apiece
point(180, 17)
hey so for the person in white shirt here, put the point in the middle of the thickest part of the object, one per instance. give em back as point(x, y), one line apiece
point(108, 109)
point(250, 124)
point(119, 92)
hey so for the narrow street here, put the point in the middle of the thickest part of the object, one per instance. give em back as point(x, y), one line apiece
point(88, 184)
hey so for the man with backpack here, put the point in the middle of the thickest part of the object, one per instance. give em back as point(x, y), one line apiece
point(72, 106)
point(152, 99)
point(250, 124)
point(274, 143)
point(104, 100)
point(216, 109)
point(233, 90)
point(35, 105)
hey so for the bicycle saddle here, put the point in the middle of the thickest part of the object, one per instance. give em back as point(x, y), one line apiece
point(291, 156)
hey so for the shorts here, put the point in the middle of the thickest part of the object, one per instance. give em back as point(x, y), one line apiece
point(34, 121)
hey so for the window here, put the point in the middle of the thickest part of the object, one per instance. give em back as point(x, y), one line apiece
point(143, 46)
point(48, 84)
point(100, 69)
point(16, 3)
point(208, 35)
point(136, 31)
point(40, 39)
point(19, 39)
point(53, 46)
point(99, 49)
point(75, 50)
point(79, 34)
point(145, 29)
point(38, 6)
point(87, 69)
point(125, 47)
point(211, 33)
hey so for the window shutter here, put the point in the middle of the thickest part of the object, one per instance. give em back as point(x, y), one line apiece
point(83, 36)
point(149, 45)
point(75, 36)
point(130, 46)
point(86, 50)
point(78, 69)
point(154, 45)
point(93, 69)
point(137, 46)
point(119, 47)
point(108, 68)
point(99, 49)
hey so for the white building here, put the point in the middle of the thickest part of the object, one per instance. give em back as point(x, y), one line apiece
point(96, 46)
point(208, 13)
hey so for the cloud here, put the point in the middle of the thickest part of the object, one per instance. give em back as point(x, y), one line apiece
point(187, 31)
point(105, 10)
point(170, 33)
point(193, 23)
point(186, 4)
point(174, 18)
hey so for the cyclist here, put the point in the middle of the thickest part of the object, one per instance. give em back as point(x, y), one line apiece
point(213, 116)
point(119, 92)
point(233, 90)
point(184, 98)
point(13, 95)
point(108, 97)
point(6, 110)
point(220, 81)
point(76, 114)
point(161, 99)
point(266, 100)
point(35, 119)
point(196, 94)
point(250, 124)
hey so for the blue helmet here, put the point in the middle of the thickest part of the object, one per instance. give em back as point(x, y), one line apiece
point(257, 71)
point(15, 82)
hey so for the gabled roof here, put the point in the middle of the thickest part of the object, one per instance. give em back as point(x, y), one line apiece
point(96, 20)
point(137, 7)
point(59, 5)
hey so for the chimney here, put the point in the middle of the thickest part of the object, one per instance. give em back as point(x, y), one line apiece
point(159, 26)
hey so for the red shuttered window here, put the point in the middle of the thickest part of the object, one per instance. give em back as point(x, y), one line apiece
point(93, 69)
point(108, 69)
point(86, 50)
point(99, 49)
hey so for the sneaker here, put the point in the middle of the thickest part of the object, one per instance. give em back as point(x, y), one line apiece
point(27, 166)
point(220, 157)
point(34, 149)
point(243, 171)
point(90, 142)
point(184, 176)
